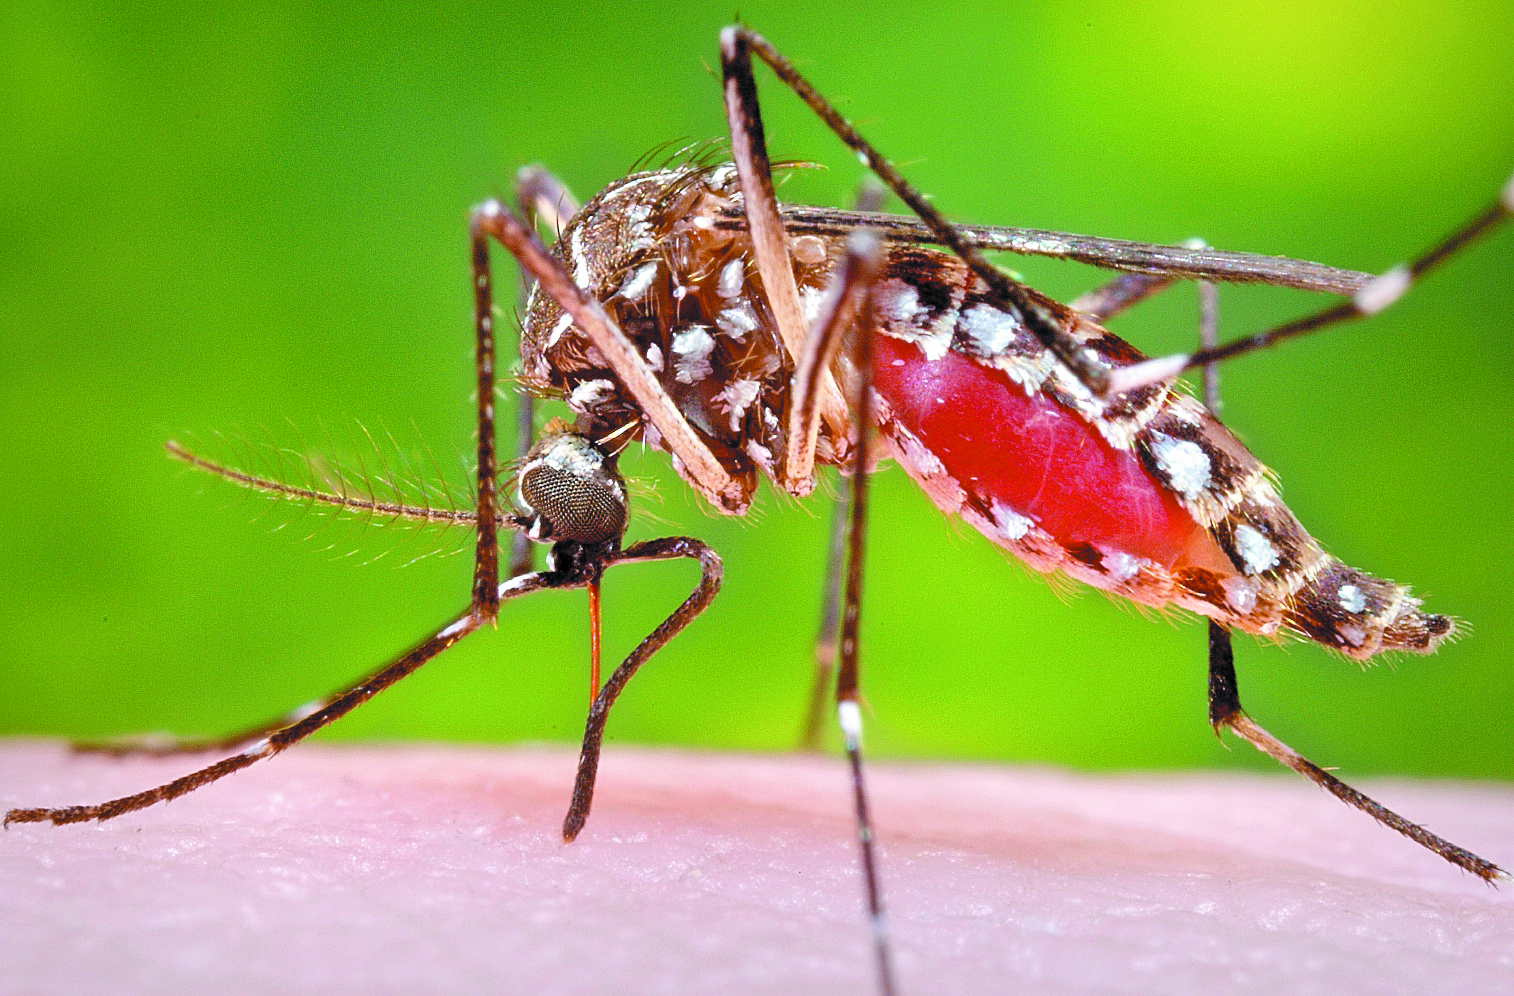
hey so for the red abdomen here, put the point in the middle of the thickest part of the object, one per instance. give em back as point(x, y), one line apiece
point(1031, 455)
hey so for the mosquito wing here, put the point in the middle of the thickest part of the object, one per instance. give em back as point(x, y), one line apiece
point(1178, 262)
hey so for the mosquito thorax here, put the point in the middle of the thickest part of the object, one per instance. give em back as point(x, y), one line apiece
point(569, 490)
point(655, 250)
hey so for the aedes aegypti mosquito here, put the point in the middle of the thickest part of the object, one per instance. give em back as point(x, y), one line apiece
point(686, 308)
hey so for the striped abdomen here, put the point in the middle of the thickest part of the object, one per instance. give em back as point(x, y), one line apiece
point(1147, 496)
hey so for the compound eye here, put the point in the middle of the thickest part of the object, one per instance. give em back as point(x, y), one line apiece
point(572, 488)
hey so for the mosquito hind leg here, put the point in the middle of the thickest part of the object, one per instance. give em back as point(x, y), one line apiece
point(1225, 713)
point(1225, 710)
point(1377, 295)
point(737, 43)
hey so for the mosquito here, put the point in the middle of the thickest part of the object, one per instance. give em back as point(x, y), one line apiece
point(685, 308)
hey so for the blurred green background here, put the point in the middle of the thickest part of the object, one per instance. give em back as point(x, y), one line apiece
point(250, 218)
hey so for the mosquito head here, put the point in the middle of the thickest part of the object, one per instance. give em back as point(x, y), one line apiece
point(569, 490)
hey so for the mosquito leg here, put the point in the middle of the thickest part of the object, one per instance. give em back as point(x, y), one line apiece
point(1209, 334)
point(155, 745)
point(855, 275)
point(267, 746)
point(869, 196)
point(159, 746)
point(1377, 295)
point(740, 41)
point(544, 199)
point(486, 557)
point(868, 199)
point(323, 714)
point(852, 284)
point(483, 607)
point(1225, 712)
point(1126, 291)
point(861, 244)
point(710, 569)
point(749, 153)
point(485, 602)
point(769, 245)
point(827, 635)
point(1123, 292)
point(495, 220)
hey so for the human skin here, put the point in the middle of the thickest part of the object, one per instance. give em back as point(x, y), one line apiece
point(418, 869)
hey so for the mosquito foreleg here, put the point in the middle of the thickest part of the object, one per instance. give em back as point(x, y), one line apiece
point(670, 548)
point(314, 719)
point(486, 551)
point(544, 198)
point(1225, 713)
point(158, 745)
point(483, 607)
point(711, 478)
point(1377, 295)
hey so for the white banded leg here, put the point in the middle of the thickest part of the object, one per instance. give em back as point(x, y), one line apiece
point(848, 678)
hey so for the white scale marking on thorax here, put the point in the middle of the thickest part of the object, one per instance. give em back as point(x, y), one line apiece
point(691, 350)
point(737, 398)
point(732, 277)
point(639, 282)
point(582, 275)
